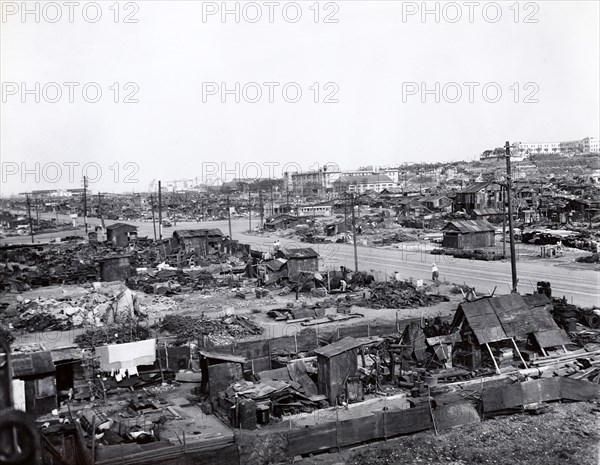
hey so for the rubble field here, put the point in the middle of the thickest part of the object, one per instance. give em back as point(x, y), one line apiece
point(567, 434)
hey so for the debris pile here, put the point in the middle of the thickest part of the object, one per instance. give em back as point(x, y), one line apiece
point(27, 267)
point(71, 310)
point(593, 258)
point(399, 294)
point(168, 282)
point(567, 315)
point(220, 331)
point(117, 333)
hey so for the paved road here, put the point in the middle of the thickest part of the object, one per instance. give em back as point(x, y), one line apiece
point(413, 260)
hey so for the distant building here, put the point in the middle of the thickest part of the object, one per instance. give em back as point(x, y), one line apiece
point(360, 184)
point(321, 179)
point(585, 145)
point(468, 234)
point(315, 210)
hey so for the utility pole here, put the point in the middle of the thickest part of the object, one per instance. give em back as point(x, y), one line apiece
point(249, 209)
point(153, 218)
point(513, 258)
point(504, 221)
point(354, 236)
point(262, 211)
point(159, 211)
point(174, 208)
point(30, 220)
point(85, 203)
point(272, 206)
point(37, 212)
point(346, 214)
point(229, 217)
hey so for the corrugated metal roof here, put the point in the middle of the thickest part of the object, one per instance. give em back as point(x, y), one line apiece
point(483, 321)
point(305, 252)
point(469, 226)
point(120, 225)
point(30, 364)
point(475, 187)
point(67, 353)
point(190, 233)
point(486, 211)
point(344, 345)
point(224, 357)
point(552, 338)
point(507, 316)
point(536, 300)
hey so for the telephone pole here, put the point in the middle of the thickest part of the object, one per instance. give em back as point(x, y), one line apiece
point(85, 203)
point(30, 220)
point(511, 235)
point(249, 209)
point(262, 211)
point(229, 217)
point(153, 218)
point(159, 211)
point(354, 236)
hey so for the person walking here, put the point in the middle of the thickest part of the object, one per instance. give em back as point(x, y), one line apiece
point(435, 274)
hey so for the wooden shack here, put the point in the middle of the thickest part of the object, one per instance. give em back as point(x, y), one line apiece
point(512, 318)
point(300, 261)
point(120, 234)
point(219, 371)
point(468, 234)
point(200, 241)
point(337, 362)
point(34, 379)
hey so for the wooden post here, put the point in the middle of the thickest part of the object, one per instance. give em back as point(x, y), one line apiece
point(270, 359)
point(430, 409)
point(296, 343)
point(384, 410)
point(519, 352)
point(493, 359)
point(93, 440)
point(337, 426)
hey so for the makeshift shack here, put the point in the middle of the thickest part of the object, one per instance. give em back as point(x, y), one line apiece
point(506, 318)
point(282, 221)
point(219, 371)
point(200, 241)
point(120, 234)
point(69, 370)
point(336, 363)
point(468, 234)
point(300, 261)
point(34, 382)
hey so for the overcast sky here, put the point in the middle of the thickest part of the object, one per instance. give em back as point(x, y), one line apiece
point(370, 60)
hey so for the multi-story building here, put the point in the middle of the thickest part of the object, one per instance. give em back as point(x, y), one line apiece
point(360, 184)
point(585, 145)
point(322, 179)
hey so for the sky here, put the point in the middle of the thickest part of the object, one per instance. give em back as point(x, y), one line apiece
point(127, 93)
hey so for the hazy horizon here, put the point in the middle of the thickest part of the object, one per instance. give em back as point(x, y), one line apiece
point(379, 68)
